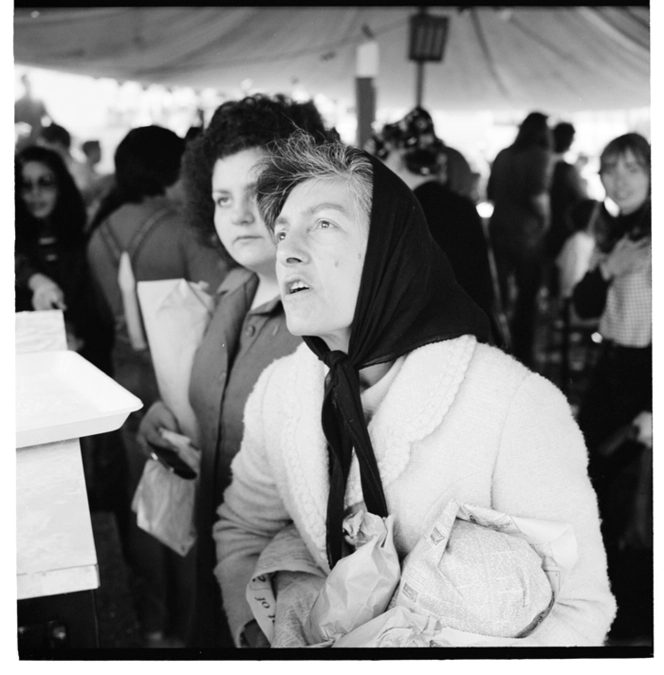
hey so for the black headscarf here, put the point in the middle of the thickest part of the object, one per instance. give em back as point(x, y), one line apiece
point(408, 298)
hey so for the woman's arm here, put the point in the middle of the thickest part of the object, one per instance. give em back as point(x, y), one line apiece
point(541, 472)
point(251, 514)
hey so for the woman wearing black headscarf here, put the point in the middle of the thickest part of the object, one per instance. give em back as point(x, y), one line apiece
point(395, 401)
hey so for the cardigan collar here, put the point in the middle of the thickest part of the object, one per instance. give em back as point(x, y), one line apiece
point(418, 400)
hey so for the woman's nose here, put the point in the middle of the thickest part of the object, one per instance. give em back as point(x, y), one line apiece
point(243, 213)
point(292, 250)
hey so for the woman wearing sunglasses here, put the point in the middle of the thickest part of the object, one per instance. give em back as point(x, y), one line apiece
point(51, 269)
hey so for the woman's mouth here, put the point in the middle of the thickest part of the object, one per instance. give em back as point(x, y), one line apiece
point(295, 286)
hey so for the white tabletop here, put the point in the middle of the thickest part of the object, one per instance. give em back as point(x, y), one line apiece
point(54, 542)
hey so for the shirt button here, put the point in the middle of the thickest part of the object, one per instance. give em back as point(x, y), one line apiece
point(250, 330)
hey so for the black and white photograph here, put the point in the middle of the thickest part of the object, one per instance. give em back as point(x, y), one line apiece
point(333, 330)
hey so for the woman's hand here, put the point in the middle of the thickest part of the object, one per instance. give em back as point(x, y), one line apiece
point(157, 417)
point(643, 428)
point(46, 294)
point(254, 637)
point(627, 256)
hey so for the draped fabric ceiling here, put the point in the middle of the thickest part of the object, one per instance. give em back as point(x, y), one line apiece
point(555, 58)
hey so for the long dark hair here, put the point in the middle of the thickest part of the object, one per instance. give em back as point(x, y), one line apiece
point(533, 132)
point(69, 216)
point(254, 122)
point(147, 161)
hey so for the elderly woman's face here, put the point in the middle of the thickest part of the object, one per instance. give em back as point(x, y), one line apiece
point(321, 243)
point(236, 219)
point(39, 189)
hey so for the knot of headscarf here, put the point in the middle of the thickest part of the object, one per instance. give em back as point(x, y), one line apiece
point(344, 427)
point(408, 298)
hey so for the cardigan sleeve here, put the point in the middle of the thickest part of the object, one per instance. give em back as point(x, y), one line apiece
point(541, 472)
point(251, 514)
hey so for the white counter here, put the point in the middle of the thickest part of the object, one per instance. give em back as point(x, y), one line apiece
point(54, 543)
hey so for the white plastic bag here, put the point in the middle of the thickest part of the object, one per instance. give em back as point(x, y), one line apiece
point(164, 502)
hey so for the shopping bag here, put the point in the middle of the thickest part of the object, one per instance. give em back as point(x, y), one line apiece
point(176, 313)
point(164, 502)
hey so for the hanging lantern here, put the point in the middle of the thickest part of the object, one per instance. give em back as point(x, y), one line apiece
point(428, 36)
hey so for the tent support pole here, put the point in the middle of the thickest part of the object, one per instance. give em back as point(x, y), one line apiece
point(420, 83)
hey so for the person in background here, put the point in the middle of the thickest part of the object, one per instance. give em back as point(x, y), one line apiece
point(51, 268)
point(567, 190)
point(192, 133)
point(587, 223)
point(97, 185)
point(57, 138)
point(418, 131)
point(616, 413)
point(519, 189)
point(141, 217)
point(453, 219)
point(30, 112)
point(247, 330)
point(394, 402)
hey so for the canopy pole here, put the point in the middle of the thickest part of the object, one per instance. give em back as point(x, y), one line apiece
point(420, 84)
point(365, 90)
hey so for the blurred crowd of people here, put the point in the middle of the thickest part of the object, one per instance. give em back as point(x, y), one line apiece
point(184, 208)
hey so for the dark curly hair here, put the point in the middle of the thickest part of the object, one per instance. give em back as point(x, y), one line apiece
point(147, 161)
point(69, 215)
point(256, 121)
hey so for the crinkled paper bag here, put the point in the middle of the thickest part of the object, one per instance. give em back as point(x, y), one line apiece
point(164, 502)
point(398, 627)
point(286, 553)
point(176, 313)
point(360, 586)
point(484, 573)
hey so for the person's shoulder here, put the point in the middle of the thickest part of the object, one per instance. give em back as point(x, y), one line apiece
point(509, 378)
point(169, 212)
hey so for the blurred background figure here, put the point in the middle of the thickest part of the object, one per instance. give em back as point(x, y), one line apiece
point(51, 267)
point(141, 217)
point(418, 131)
point(586, 222)
point(92, 153)
point(616, 413)
point(30, 114)
point(567, 190)
point(57, 138)
point(97, 185)
point(519, 189)
point(411, 150)
point(192, 133)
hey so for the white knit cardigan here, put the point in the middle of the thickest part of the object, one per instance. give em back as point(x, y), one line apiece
point(461, 420)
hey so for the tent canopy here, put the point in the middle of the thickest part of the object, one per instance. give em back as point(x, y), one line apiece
point(561, 59)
